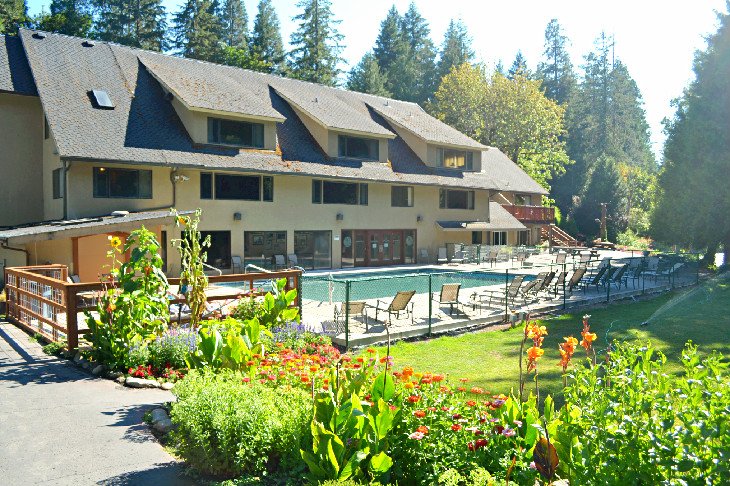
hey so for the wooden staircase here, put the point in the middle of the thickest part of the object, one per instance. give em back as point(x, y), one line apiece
point(557, 237)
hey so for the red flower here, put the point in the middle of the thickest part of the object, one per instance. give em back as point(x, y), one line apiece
point(471, 403)
point(419, 413)
point(422, 429)
point(414, 398)
point(456, 427)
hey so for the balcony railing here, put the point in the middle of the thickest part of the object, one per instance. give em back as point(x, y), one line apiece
point(531, 214)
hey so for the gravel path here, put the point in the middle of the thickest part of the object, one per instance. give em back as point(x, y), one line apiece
point(60, 425)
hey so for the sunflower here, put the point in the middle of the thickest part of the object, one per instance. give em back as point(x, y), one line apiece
point(115, 241)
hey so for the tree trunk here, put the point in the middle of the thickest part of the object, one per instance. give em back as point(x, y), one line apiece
point(726, 251)
point(709, 258)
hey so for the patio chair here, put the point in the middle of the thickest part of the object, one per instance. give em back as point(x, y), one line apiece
point(560, 258)
point(575, 280)
point(558, 285)
point(528, 290)
point(442, 258)
point(425, 257)
point(400, 303)
point(499, 296)
point(293, 260)
point(236, 261)
point(278, 262)
point(355, 308)
point(664, 272)
point(593, 280)
point(449, 295)
point(458, 257)
point(584, 258)
point(491, 256)
point(618, 277)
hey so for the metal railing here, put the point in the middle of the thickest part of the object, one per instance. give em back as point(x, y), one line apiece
point(42, 300)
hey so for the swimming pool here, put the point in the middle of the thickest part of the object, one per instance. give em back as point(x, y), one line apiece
point(385, 284)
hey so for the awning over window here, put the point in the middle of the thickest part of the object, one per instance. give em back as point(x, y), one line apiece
point(499, 220)
point(53, 230)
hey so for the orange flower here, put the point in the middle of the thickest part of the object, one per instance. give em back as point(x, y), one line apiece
point(419, 413)
point(409, 385)
point(370, 351)
point(476, 390)
point(182, 221)
point(414, 398)
point(439, 378)
point(534, 353)
point(422, 429)
point(456, 427)
point(566, 351)
point(588, 338)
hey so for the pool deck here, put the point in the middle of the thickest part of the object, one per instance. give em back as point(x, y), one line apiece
point(319, 316)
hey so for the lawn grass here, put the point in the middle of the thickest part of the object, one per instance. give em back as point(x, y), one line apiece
point(489, 359)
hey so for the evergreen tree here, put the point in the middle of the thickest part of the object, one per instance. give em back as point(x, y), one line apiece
point(70, 17)
point(423, 54)
point(456, 49)
point(316, 43)
point(234, 22)
point(389, 42)
point(693, 206)
point(266, 37)
point(604, 186)
point(13, 14)
point(243, 58)
point(556, 71)
point(135, 23)
point(519, 67)
point(367, 77)
point(197, 30)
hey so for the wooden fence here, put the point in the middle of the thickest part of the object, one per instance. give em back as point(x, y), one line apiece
point(42, 300)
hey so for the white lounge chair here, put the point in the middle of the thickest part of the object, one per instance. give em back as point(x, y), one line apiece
point(442, 255)
point(236, 261)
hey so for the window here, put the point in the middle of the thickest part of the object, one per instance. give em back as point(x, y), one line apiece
point(238, 133)
point(523, 237)
point(401, 196)
point(313, 249)
point(358, 148)
point(523, 200)
point(452, 199)
point(57, 184)
point(260, 246)
point(476, 238)
point(122, 183)
point(46, 129)
point(267, 184)
point(330, 192)
point(499, 237)
point(206, 185)
point(219, 253)
point(457, 159)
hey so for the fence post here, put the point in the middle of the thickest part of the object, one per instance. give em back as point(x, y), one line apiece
point(645, 266)
point(565, 272)
point(347, 314)
point(430, 302)
point(72, 327)
point(298, 277)
point(609, 275)
point(506, 294)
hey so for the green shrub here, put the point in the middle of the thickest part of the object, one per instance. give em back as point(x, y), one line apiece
point(137, 356)
point(247, 308)
point(54, 348)
point(227, 428)
point(629, 421)
point(172, 348)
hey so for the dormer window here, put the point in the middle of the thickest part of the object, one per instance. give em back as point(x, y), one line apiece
point(358, 147)
point(457, 159)
point(236, 133)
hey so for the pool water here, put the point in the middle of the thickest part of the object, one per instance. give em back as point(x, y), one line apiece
point(385, 284)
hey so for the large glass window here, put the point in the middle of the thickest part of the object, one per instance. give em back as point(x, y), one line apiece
point(499, 238)
point(401, 196)
point(359, 148)
point(523, 237)
point(122, 183)
point(476, 237)
point(219, 253)
point(260, 246)
point(206, 185)
point(313, 249)
point(457, 159)
point(330, 192)
point(454, 199)
point(238, 133)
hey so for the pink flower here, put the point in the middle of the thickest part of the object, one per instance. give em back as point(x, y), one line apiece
point(508, 432)
point(416, 436)
point(533, 466)
point(518, 423)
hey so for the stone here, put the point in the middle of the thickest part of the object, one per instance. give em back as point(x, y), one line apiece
point(161, 421)
point(167, 386)
point(113, 375)
point(78, 357)
point(98, 369)
point(134, 382)
point(121, 379)
point(85, 365)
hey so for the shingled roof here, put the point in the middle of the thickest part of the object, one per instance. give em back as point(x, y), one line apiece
point(144, 128)
point(15, 75)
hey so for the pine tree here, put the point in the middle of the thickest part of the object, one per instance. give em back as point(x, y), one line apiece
point(70, 17)
point(367, 77)
point(235, 24)
point(266, 37)
point(694, 204)
point(316, 42)
point(197, 30)
point(556, 71)
point(13, 14)
point(388, 43)
point(417, 32)
point(395, 58)
point(519, 67)
point(135, 23)
point(456, 49)
point(604, 186)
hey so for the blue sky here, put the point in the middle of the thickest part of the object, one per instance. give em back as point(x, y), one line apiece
point(656, 39)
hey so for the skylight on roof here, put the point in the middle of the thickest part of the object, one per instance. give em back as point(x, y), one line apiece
point(100, 99)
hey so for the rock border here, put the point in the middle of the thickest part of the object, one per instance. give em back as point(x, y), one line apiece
point(100, 371)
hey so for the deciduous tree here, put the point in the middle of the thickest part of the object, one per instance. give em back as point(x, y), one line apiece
point(13, 14)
